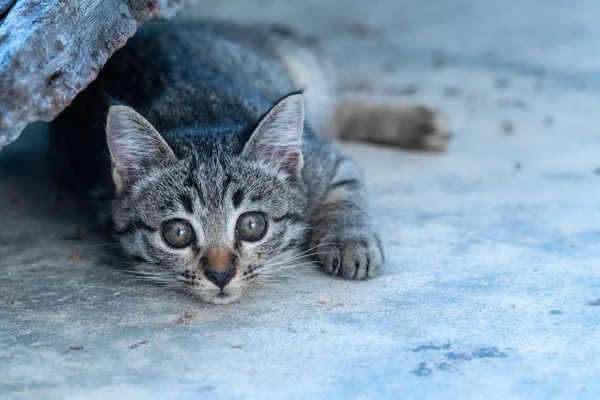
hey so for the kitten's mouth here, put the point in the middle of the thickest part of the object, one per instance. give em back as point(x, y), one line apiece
point(223, 297)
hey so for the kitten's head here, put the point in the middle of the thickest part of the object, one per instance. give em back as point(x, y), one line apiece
point(209, 215)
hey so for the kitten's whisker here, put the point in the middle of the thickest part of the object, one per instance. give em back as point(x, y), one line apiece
point(285, 267)
point(163, 278)
point(317, 246)
point(293, 259)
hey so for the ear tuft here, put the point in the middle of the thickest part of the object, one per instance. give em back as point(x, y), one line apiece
point(135, 146)
point(277, 139)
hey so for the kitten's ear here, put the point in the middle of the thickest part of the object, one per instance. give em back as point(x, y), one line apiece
point(135, 146)
point(277, 139)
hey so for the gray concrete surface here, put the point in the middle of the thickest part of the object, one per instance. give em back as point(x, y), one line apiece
point(492, 288)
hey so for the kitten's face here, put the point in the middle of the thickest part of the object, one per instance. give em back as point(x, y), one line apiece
point(216, 223)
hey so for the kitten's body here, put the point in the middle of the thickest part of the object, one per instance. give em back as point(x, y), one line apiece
point(224, 99)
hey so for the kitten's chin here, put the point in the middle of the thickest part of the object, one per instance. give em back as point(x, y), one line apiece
point(219, 297)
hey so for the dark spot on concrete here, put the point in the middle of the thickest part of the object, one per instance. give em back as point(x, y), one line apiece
point(53, 77)
point(388, 67)
point(440, 61)
point(59, 46)
point(451, 91)
point(597, 171)
point(595, 302)
point(185, 319)
point(508, 128)
point(360, 30)
point(456, 356)
point(518, 166)
point(423, 369)
point(138, 344)
point(73, 348)
point(538, 72)
point(431, 346)
point(488, 352)
point(502, 82)
point(14, 200)
point(359, 87)
point(549, 121)
point(556, 312)
point(409, 90)
point(517, 103)
point(446, 367)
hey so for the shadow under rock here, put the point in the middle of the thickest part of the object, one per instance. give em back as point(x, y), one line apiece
point(36, 209)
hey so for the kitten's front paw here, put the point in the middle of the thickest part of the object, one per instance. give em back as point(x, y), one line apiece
point(350, 255)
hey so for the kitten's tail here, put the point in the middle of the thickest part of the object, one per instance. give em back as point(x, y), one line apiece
point(335, 111)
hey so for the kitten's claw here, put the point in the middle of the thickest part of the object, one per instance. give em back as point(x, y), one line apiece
point(351, 256)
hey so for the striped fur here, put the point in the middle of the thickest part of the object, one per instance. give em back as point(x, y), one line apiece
point(206, 124)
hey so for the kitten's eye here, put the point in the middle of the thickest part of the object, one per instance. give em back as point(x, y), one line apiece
point(251, 226)
point(178, 233)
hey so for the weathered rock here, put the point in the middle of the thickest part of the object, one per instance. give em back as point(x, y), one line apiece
point(50, 50)
point(5, 5)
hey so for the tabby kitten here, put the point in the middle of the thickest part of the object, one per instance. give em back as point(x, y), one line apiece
point(217, 167)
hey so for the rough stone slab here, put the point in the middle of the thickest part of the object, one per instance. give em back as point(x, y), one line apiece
point(5, 5)
point(50, 50)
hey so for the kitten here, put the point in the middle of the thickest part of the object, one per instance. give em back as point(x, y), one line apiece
point(219, 170)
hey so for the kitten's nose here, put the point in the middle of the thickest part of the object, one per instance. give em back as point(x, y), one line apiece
point(221, 279)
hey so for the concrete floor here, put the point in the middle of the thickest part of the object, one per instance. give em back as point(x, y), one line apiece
point(492, 288)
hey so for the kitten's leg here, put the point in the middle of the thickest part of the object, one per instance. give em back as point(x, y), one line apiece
point(336, 112)
point(386, 122)
point(342, 239)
